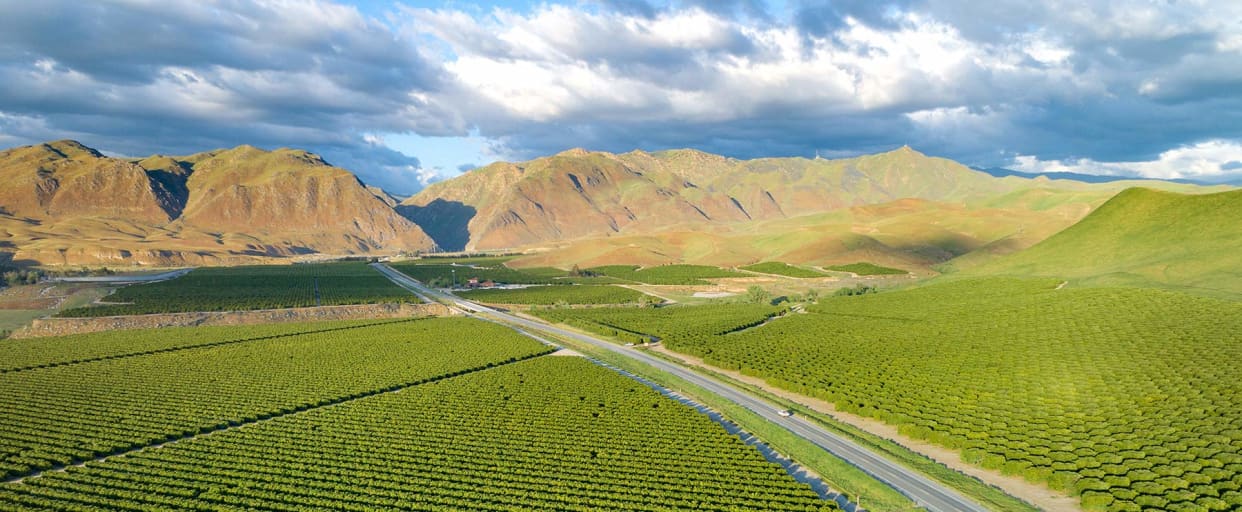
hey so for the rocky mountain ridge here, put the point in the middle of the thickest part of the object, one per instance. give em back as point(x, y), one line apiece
point(65, 203)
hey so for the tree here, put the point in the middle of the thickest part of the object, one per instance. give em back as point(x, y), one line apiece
point(755, 294)
point(812, 295)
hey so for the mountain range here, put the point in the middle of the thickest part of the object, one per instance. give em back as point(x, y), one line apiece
point(66, 204)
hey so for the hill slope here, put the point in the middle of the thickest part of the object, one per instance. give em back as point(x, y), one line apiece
point(65, 203)
point(899, 208)
point(1144, 237)
point(579, 194)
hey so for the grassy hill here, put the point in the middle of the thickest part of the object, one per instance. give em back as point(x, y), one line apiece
point(1144, 237)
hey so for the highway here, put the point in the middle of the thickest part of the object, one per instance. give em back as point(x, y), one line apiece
point(923, 491)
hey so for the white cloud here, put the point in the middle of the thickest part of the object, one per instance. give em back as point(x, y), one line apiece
point(1107, 80)
point(558, 64)
point(1210, 159)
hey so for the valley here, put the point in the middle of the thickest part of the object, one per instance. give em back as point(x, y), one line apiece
point(1015, 330)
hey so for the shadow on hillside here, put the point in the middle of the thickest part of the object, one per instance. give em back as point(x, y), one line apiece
point(446, 222)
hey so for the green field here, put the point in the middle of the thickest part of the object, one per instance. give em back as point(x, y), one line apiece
point(437, 274)
point(549, 295)
point(866, 269)
point(670, 322)
point(482, 261)
point(59, 415)
point(45, 352)
point(783, 269)
point(1129, 398)
point(666, 274)
point(253, 287)
point(436, 414)
point(1146, 238)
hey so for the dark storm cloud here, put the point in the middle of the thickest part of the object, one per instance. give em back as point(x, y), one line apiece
point(180, 77)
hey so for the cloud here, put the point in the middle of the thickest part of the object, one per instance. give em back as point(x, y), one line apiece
point(185, 76)
point(1100, 85)
point(1109, 81)
point(1207, 161)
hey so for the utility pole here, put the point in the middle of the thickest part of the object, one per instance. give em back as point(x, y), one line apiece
point(454, 271)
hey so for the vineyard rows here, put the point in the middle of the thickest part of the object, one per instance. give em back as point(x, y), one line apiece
point(784, 269)
point(60, 415)
point(549, 295)
point(637, 325)
point(866, 269)
point(545, 434)
point(252, 287)
point(1129, 398)
point(667, 274)
point(446, 273)
point(25, 354)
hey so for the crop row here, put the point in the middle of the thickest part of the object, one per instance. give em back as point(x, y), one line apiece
point(253, 287)
point(446, 274)
point(548, 295)
point(1130, 398)
point(59, 415)
point(784, 269)
point(545, 434)
point(867, 269)
point(669, 322)
point(666, 274)
point(59, 350)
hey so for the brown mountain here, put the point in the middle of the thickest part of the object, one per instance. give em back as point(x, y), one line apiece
point(578, 193)
point(900, 207)
point(64, 203)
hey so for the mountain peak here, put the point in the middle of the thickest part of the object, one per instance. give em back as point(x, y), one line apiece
point(906, 150)
point(574, 152)
point(71, 149)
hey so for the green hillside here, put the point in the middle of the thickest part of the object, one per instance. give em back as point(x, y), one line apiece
point(1144, 237)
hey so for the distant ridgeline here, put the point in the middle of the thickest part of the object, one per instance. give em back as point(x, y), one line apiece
point(67, 204)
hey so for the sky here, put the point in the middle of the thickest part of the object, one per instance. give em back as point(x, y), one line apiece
point(405, 93)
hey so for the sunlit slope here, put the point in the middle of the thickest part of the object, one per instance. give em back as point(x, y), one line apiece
point(1144, 237)
point(65, 203)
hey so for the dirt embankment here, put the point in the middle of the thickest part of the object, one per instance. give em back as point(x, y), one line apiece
point(66, 326)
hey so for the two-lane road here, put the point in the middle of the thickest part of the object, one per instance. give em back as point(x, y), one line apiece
point(923, 491)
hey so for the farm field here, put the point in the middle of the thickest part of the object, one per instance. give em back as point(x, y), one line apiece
point(867, 269)
point(60, 415)
point(32, 353)
point(783, 269)
point(252, 287)
point(1103, 393)
point(442, 274)
point(461, 430)
point(666, 274)
point(670, 322)
point(549, 295)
